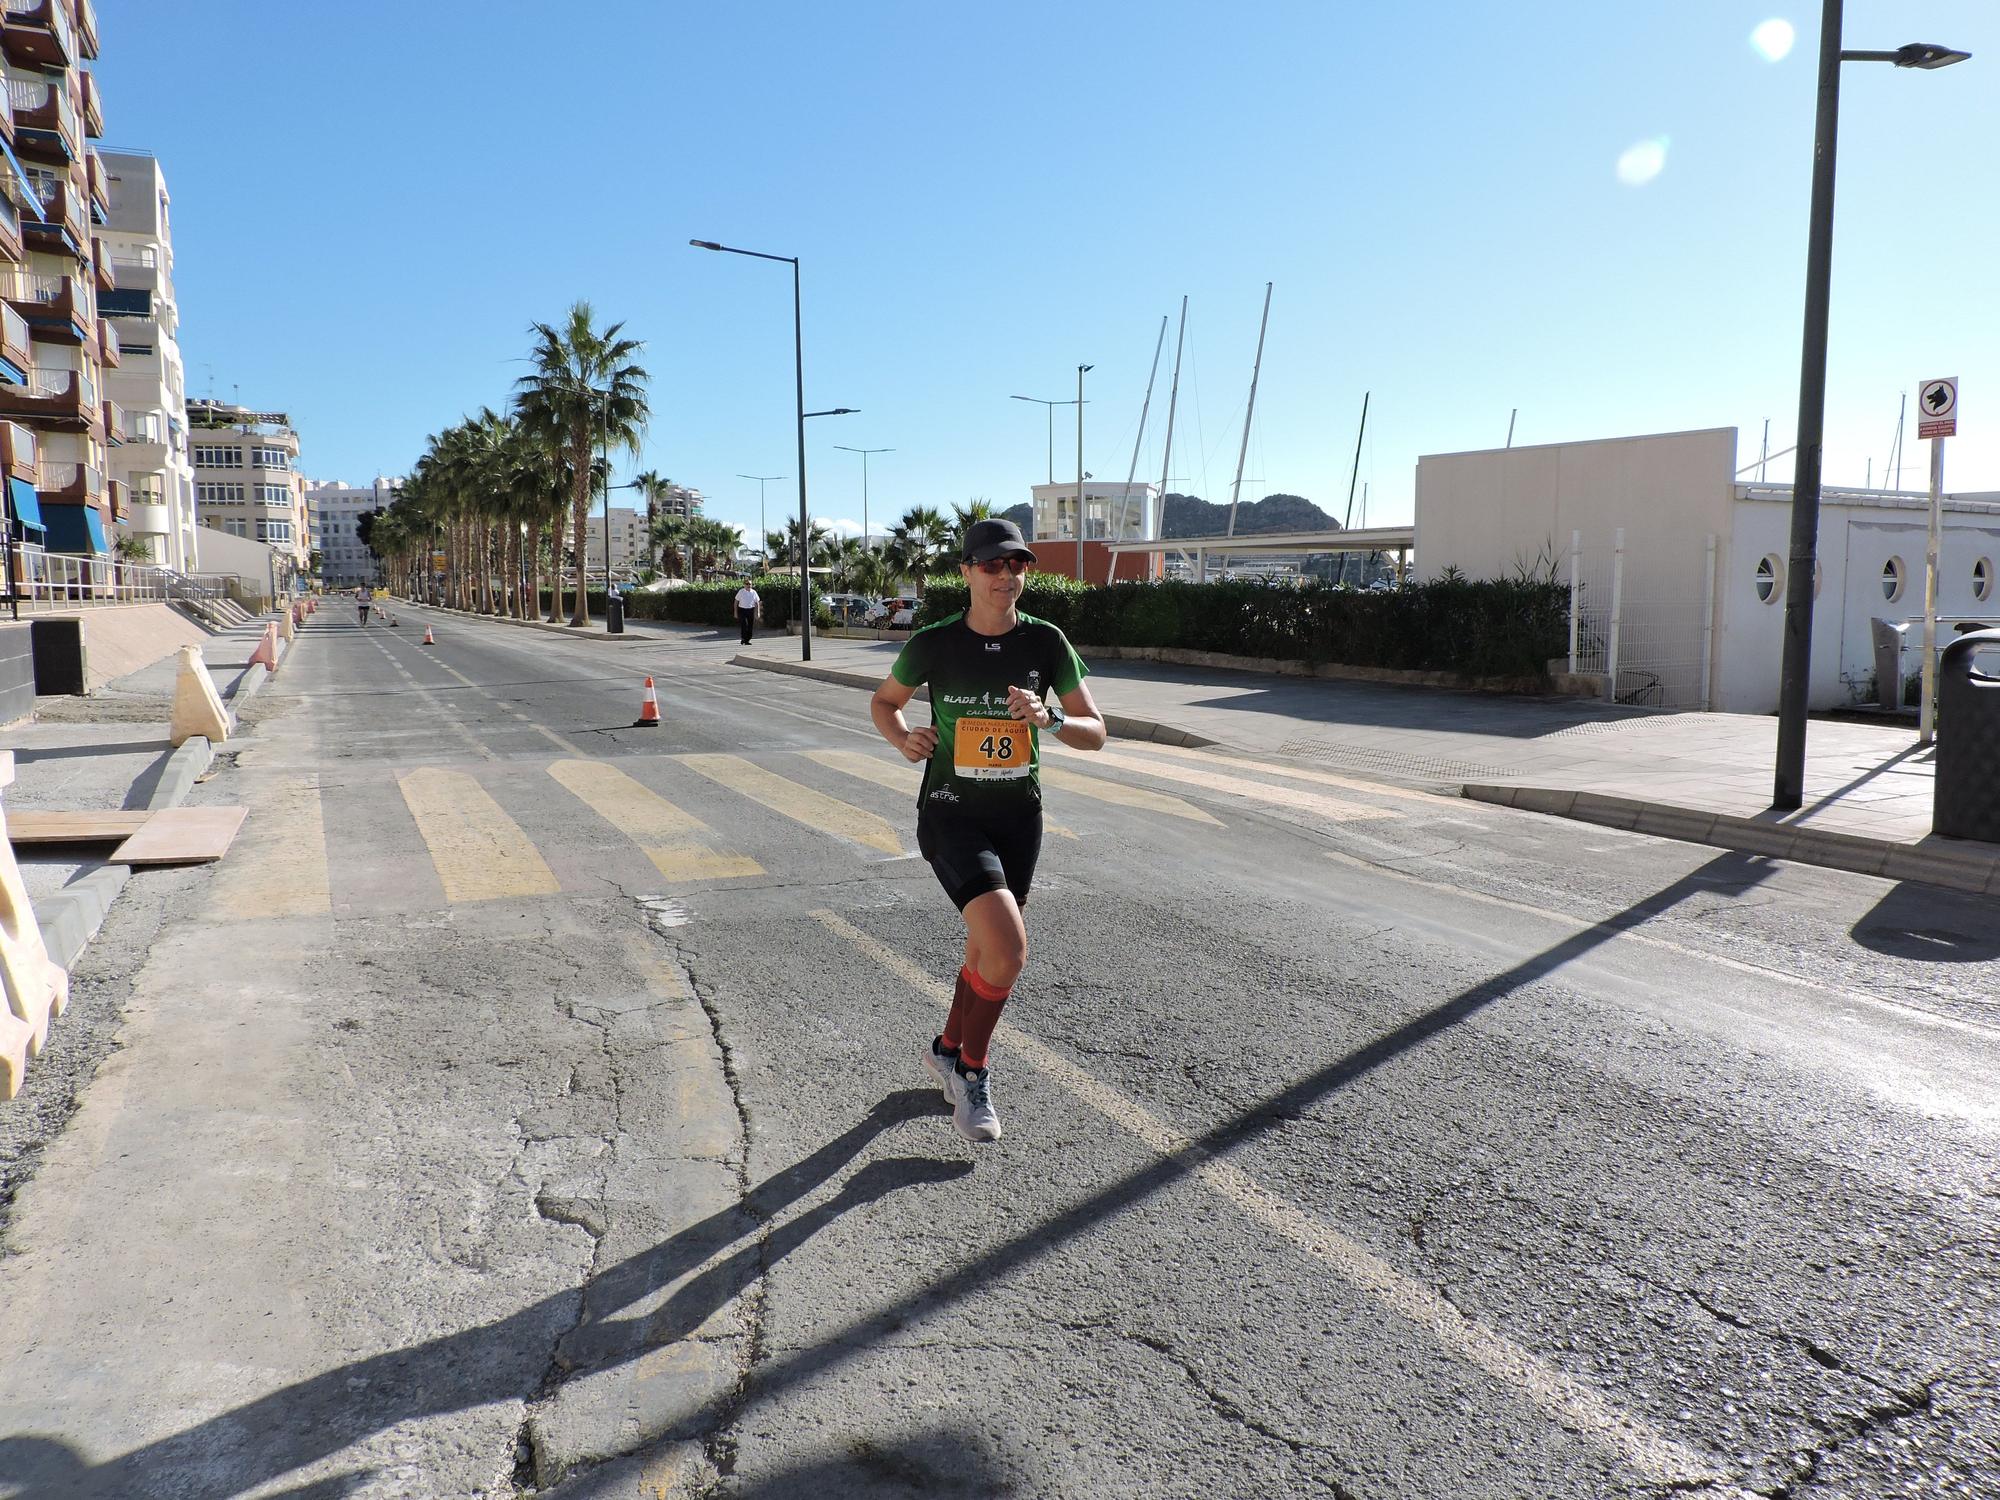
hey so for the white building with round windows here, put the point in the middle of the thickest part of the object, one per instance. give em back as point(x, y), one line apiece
point(1680, 562)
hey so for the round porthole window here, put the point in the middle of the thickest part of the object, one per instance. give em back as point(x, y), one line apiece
point(1982, 579)
point(1892, 579)
point(1770, 578)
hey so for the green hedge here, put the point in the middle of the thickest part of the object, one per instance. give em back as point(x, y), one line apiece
point(709, 603)
point(1500, 628)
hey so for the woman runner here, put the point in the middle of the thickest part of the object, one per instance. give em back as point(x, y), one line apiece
point(979, 811)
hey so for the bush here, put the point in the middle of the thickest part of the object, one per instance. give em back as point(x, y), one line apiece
point(1499, 628)
point(711, 603)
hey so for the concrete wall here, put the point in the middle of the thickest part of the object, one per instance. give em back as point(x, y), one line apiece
point(253, 564)
point(17, 671)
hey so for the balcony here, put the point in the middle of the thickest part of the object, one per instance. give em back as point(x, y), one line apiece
point(20, 453)
point(101, 268)
point(16, 342)
point(93, 107)
point(37, 33)
point(115, 493)
point(60, 226)
point(62, 400)
point(57, 307)
point(107, 344)
point(12, 246)
point(46, 124)
point(69, 483)
point(114, 424)
point(86, 29)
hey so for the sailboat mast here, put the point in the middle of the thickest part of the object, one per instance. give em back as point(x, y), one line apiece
point(1243, 451)
point(1173, 402)
point(1118, 527)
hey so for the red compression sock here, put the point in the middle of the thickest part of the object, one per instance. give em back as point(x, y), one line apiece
point(954, 1024)
point(982, 1014)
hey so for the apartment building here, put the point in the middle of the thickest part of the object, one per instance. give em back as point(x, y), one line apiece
point(148, 386)
point(247, 481)
point(628, 539)
point(344, 561)
point(56, 424)
point(678, 500)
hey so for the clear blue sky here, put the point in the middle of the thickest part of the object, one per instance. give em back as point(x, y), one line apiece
point(372, 200)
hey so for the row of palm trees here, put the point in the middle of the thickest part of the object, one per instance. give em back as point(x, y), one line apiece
point(488, 492)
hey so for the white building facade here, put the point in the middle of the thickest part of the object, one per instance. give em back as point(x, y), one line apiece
point(147, 387)
point(247, 481)
point(1113, 511)
point(1681, 570)
point(337, 509)
point(628, 539)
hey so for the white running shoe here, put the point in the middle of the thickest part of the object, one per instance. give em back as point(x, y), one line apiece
point(939, 1065)
point(972, 1108)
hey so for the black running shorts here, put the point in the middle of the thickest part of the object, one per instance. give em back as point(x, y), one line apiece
point(975, 855)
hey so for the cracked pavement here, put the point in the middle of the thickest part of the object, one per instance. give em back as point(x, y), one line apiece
point(1565, 1162)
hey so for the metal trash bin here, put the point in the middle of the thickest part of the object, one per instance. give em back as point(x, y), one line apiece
point(614, 615)
point(1965, 803)
point(1888, 661)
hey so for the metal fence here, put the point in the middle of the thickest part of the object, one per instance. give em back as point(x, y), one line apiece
point(1648, 632)
point(44, 580)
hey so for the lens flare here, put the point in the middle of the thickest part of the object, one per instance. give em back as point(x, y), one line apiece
point(1642, 162)
point(1772, 40)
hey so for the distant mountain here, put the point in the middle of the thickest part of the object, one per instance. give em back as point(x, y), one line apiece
point(1190, 515)
point(1022, 516)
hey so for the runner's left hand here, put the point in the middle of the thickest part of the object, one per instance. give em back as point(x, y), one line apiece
point(1027, 708)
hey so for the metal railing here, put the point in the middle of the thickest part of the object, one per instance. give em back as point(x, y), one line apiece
point(63, 580)
point(44, 384)
point(58, 22)
point(14, 328)
point(22, 445)
point(55, 475)
point(110, 337)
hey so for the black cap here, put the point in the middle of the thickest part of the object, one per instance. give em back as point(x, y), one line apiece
point(986, 540)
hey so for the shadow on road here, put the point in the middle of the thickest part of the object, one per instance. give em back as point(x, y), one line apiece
point(308, 1421)
point(1930, 925)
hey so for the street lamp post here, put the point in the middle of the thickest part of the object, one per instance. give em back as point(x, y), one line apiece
point(1079, 469)
point(1794, 681)
point(1051, 405)
point(799, 373)
point(763, 545)
point(864, 452)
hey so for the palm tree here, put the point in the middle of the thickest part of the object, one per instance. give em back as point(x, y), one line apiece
point(918, 542)
point(586, 387)
point(785, 544)
point(873, 574)
point(843, 556)
point(962, 516)
point(665, 532)
point(712, 542)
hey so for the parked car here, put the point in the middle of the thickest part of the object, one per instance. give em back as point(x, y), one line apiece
point(897, 613)
point(848, 609)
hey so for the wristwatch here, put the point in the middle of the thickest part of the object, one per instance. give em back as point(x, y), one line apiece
point(1057, 718)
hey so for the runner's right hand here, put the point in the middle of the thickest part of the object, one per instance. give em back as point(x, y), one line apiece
point(918, 746)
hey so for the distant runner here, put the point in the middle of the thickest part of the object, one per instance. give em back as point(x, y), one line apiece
point(362, 598)
point(979, 812)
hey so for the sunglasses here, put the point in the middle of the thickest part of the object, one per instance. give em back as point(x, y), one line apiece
point(993, 567)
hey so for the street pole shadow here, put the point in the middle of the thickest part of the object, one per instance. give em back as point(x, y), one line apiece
point(1930, 925)
point(302, 1423)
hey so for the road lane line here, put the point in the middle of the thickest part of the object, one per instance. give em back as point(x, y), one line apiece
point(1332, 809)
point(1122, 795)
point(897, 776)
point(677, 842)
point(277, 867)
point(1299, 773)
point(439, 708)
point(1648, 1452)
point(1665, 945)
point(800, 803)
point(480, 853)
point(543, 730)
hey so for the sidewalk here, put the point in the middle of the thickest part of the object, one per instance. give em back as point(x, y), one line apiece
point(1701, 777)
point(110, 751)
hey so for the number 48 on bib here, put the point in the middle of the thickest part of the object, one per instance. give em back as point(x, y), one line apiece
point(990, 749)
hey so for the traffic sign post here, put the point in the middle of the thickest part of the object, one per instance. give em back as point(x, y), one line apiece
point(1937, 419)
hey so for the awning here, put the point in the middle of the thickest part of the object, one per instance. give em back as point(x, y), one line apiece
point(27, 506)
point(75, 528)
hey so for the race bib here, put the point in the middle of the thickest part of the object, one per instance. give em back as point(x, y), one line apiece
point(990, 749)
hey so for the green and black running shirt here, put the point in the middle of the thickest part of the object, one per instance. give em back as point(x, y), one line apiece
point(986, 761)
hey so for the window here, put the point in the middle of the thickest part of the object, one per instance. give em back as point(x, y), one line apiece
point(1982, 579)
point(1892, 579)
point(217, 458)
point(1768, 578)
point(236, 527)
point(274, 531)
point(274, 494)
point(219, 494)
point(270, 458)
point(126, 346)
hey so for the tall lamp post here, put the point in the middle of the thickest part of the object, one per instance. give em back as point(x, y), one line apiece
point(763, 546)
point(1051, 405)
point(864, 452)
point(1794, 681)
point(1080, 369)
point(799, 372)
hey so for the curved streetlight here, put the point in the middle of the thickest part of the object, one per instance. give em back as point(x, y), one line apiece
point(864, 452)
point(799, 373)
point(763, 547)
point(1794, 680)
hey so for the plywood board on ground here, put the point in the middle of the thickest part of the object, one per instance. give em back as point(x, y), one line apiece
point(181, 836)
point(35, 826)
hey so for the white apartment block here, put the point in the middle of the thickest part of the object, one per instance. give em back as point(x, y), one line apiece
point(247, 481)
point(147, 387)
point(628, 539)
point(679, 500)
point(345, 563)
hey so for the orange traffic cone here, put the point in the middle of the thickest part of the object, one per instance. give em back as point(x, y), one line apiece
point(649, 708)
point(429, 639)
point(394, 624)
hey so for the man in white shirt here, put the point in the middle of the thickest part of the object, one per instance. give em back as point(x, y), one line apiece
point(747, 605)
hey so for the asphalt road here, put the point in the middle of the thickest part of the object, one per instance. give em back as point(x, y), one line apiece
point(531, 1103)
